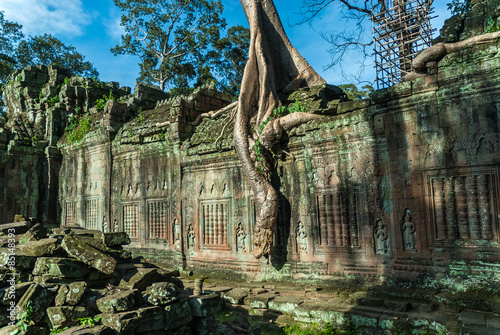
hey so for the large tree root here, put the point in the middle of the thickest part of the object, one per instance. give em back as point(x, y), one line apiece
point(438, 51)
point(273, 66)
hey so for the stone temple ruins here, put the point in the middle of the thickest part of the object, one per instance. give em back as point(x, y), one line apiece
point(403, 187)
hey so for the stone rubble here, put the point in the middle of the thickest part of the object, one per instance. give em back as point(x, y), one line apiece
point(84, 280)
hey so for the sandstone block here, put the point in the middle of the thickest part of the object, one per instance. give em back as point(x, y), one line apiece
point(140, 279)
point(23, 261)
point(120, 301)
point(20, 227)
point(87, 254)
point(4, 316)
point(162, 293)
point(60, 267)
point(205, 305)
point(93, 242)
point(204, 326)
point(116, 238)
point(259, 301)
point(40, 298)
point(142, 320)
point(285, 304)
point(17, 290)
point(76, 291)
point(8, 330)
point(60, 298)
point(236, 296)
point(35, 233)
point(88, 330)
point(65, 316)
point(45, 247)
point(177, 314)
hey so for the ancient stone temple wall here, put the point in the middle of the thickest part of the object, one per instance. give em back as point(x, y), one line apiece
point(404, 185)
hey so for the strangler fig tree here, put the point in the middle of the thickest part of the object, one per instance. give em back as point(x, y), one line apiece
point(274, 66)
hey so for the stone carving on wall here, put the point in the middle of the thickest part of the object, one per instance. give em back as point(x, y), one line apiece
point(176, 233)
point(381, 238)
point(337, 218)
point(301, 237)
point(105, 227)
point(191, 237)
point(241, 235)
point(214, 217)
point(130, 215)
point(463, 206)
point(409, 231)
point(92, 206)
point(157, 219)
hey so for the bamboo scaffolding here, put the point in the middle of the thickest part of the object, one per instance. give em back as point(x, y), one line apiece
point(400, 32)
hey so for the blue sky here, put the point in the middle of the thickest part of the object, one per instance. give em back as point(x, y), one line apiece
point(92, 26)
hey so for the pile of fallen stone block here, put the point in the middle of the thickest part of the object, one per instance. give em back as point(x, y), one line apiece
point(71, 280)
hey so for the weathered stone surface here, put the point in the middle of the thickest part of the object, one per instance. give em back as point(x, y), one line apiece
point(75, 293)
point(4, 316)
point(205, 305)
point(9, 330)
point(140, 279)
point(285, 304)
point(116, 238)
point(65, 316)
point(40, 298)
point(259, 301)
point(87, 254)
point(93, 242)
point(61, 294)
point(91, 296)
point(20, 227)
point(204, 325)
point(35, 233)
point(120, 301)
point(143, 319)
point(162, 293)
point(177, 314)
point(42, 248)
point(236, 296)
point(88, 330)
point(7, 294)
point(60, 267)
point(22, 261)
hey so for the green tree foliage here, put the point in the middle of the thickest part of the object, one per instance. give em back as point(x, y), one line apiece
point(354, 94)
point(48, 50)
point(10, 34)
point(459, 6)
point(178, 42)
point(233, 50)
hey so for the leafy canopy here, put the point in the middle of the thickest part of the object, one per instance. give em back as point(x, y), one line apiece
point(459, 6)
point(10, 34)
point(175, 39)
point(48, 50)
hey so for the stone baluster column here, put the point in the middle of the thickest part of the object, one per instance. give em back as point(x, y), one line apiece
point(462, 214)
point(216, 224)
point(330, 220)
point(451, 209)
point(224, 223)
point(353, 222)
point(345, 220)
point(323, 207)
point(337, 219)
point(439, 208)
point(473, 208)
point(210, 223)
point(484, 206)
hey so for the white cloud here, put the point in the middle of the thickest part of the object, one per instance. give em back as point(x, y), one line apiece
point(112, 24)
point(67, 17)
